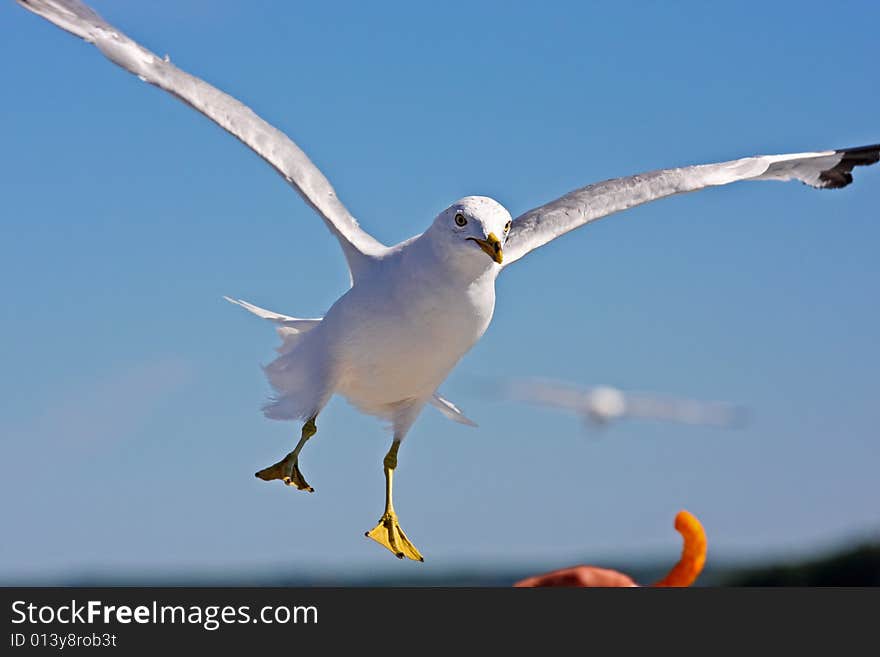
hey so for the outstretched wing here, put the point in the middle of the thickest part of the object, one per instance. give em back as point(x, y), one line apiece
point(684, 411)
point(823, 170)
point(233, 116)
point(603, 404)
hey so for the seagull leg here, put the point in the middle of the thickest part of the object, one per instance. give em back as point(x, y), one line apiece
point(388, 532)
point(287, 469)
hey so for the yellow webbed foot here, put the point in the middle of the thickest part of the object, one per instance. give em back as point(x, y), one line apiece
point(287, 470)
point(389, 534)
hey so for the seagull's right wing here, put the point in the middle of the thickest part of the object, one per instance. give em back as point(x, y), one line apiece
point(823, 170)
point(233, 116)
point(544, 392)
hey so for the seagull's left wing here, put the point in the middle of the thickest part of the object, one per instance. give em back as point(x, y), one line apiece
point(684, 411)
point(823, 170)
point(233, 116)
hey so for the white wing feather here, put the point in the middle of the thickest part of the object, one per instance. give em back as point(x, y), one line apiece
point(268, 142)
point(826, 169)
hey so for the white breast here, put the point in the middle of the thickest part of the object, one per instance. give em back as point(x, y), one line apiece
point(396, 335)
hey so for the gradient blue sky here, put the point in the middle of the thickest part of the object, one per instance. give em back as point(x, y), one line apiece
point(130, 417)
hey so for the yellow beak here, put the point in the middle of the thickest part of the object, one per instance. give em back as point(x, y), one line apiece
point(492, 246)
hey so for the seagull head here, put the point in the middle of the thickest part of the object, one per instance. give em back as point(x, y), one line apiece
point(473, 229)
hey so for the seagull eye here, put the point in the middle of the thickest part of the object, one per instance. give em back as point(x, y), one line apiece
point(460, 220)
point(507, 227)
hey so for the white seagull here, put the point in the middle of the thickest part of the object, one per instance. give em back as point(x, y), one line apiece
point(602, 404)
point(413, 309)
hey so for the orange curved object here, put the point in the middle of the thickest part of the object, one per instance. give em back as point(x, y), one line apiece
point(693, 553)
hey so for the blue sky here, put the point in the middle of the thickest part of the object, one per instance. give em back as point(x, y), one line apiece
point(130, 422)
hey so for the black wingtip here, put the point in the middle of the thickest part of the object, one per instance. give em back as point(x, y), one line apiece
point(841, 175)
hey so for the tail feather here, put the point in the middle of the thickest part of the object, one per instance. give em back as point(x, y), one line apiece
point(299, 324)
point(450, 410)
point(290, 329)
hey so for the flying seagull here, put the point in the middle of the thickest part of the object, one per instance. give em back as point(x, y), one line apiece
point(602, 404)
point(415, 308)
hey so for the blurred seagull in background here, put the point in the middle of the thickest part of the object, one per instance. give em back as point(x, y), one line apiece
point(415, 308)
point(600, 405)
